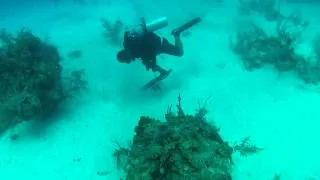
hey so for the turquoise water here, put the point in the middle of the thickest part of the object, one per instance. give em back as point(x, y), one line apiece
point(278, 110)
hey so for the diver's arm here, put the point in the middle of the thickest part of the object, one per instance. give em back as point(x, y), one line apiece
point(149, 64)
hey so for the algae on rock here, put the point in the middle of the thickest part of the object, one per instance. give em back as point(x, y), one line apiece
point(258, 49)
point(183, 147)
point(31, 82)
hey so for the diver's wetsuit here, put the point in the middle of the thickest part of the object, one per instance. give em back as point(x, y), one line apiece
point(148, 46)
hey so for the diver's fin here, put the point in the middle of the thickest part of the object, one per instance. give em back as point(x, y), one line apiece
point(185, 26)
point(154, 83)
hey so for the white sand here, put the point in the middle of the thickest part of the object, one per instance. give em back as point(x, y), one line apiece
point(279, 112)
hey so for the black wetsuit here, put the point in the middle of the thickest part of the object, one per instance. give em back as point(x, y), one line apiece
point(148, 46)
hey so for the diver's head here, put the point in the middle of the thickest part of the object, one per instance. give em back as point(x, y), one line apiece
point(124, 56)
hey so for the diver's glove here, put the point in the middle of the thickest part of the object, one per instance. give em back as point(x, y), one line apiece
point(149, 64)
point(176, 33)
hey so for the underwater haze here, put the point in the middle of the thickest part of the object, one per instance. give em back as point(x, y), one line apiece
point(69, 110)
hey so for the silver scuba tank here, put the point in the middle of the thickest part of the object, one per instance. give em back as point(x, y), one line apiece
point(151, 26)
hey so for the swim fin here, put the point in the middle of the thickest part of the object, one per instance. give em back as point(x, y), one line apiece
point(185, 26)
point(154, 83)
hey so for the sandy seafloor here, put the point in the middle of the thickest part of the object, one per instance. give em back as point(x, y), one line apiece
point(278, 111)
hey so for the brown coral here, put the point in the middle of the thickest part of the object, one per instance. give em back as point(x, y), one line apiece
point(182, 147)
point(31, 83)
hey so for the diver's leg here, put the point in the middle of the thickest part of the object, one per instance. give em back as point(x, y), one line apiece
point(175, 50)
point(179, 45)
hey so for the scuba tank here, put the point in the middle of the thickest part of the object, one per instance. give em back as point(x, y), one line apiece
point(152, 26)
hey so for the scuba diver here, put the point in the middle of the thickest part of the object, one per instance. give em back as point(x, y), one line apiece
point(143, 43)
